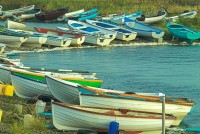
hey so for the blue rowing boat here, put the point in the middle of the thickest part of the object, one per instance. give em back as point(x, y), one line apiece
point(142, 29)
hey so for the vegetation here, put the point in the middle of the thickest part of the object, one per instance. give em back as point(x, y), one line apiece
point(12, 120)
point(117, 6)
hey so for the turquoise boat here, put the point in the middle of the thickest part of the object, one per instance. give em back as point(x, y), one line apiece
point(183, 32)
point(90, 14)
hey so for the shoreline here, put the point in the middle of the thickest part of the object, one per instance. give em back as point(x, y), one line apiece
point(24, 49)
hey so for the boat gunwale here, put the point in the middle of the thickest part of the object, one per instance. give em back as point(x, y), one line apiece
point(149, 98)
point(169, 116)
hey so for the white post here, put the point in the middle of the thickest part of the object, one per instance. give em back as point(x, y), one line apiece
point(163, 111)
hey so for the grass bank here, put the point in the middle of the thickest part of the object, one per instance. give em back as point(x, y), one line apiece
point(113, 6)
point(117, 6)
point(12, 121)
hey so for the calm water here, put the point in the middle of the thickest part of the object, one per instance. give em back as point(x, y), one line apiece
point(173, 70)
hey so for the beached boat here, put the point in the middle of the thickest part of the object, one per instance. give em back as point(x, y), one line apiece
point(5, 70)
point(99, 40)
point(11, 62)
point(76, 117)
point(5, 64)
point(190, 14)
point(108, 17)
point(148, 19)
point(68, 92)
point(26, 15)
point(90, 29)
point(37, 39)
point(67, 15)
point(12, 41)
point(55, 41)
point(5, 74)
point(122, 33)
point(29, 88)
point(9, 13)
point(77, 38)
point(90, 14)
point(140, 17)
point(64, 91)
point(14, 25)
point(32, 82)
point(94, 35)
point(142, 29)
point(52, 14)
point(120, 19)
point(183, 32)
point(178, 106)
point(32, 41)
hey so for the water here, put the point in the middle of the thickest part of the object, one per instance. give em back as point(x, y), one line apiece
point(173, 70)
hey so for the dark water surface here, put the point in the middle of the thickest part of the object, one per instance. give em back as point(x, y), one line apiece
point(173, 70)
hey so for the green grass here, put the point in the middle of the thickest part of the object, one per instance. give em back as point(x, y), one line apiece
point(118, 6)
point(115, 6)
point(13, 120)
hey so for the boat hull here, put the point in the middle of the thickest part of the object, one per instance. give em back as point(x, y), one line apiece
point(63, 92)
point(35, 41)
point(94, 35)
point(183, 32)
point(26, 15)
point(122, 33)
point(97, 40)
point(5, 75)
point(120, 18)
point(58, 42)
point(15, 25)
point(29, 84)
point(76, 39)
point(179, 111)
point(143, 30)
point(153, 20)
point(67, 91)
point(28, 89)
point(9, 13)
point(71, 118)
point(126, 37)
point(12, 41)
point(90, 14)
point(52, 14)
point(65, 16)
